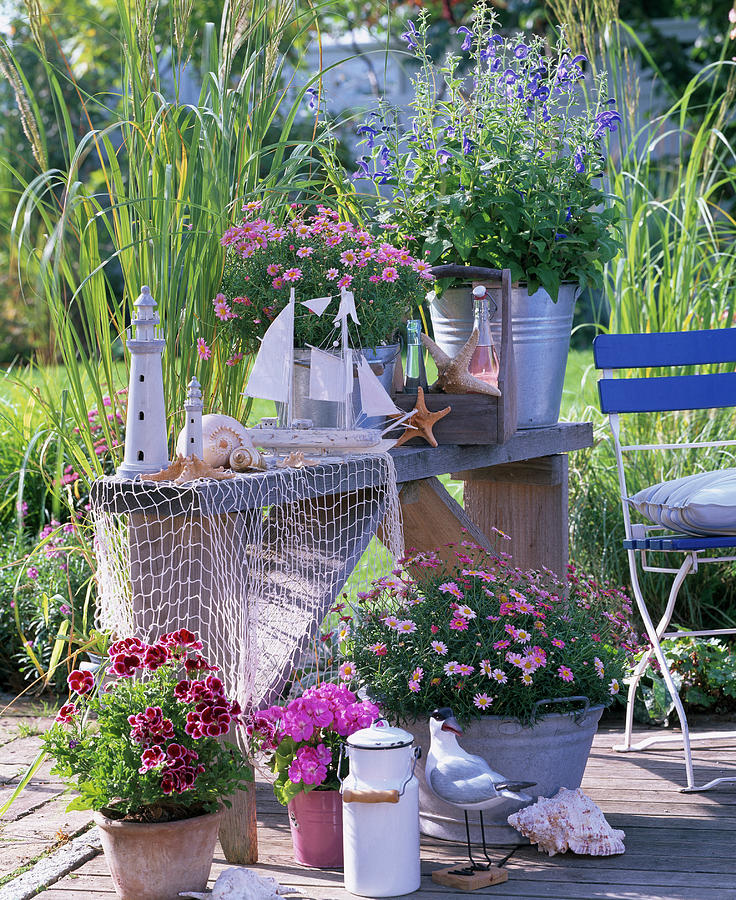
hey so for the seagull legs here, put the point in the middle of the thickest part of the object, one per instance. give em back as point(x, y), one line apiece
point(474, 866)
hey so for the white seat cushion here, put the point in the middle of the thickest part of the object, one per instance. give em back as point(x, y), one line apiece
point(702, 504)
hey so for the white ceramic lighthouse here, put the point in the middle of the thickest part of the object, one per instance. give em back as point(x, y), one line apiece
point(193, 439)
point(146, 449)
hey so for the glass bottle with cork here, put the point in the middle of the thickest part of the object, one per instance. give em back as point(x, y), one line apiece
point(484, 361)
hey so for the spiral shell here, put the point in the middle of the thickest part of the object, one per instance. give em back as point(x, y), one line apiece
point(244, 458)
point(220, 436)
point(568, 821)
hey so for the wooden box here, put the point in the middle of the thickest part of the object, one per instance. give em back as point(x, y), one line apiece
point(477, 418)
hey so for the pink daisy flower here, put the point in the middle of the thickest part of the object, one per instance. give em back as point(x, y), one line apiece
point(565, 673)
point(331, 274)
point(390, 621)
point(203, 351)
point(414, 687)
point(485, 667)
point(345, 281)
point(451, 668)
point(481, 701)
point(346, 671)
point(614, 687)
point(465, 612)
point(304, 252)
point(292, 274)
point(417, 674)
point(379, 649)
point(273, 269)
point(348, 257)
point(406, 626)
point(234, 359)
point(499, 675)
point(278, 283)
point(390, 273)
point(526, 679)
point(465, 669)
point(439, 647)
point(449, 587)
point(459, 625)
point(557, 642)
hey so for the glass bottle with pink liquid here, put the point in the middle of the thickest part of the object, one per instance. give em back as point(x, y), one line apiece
point(484, 361)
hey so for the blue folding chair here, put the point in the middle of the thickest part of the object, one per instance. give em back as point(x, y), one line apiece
point(621, 395)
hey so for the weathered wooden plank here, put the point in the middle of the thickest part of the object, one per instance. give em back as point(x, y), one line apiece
point(417, 462)
point(545, 470)
point(432, 518)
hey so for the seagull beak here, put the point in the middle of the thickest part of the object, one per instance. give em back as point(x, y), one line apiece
point(452, 725)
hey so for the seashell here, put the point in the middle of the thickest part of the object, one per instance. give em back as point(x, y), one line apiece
point(296, 460)
point(242, 884)
point(244, 458)
point(220, 436)
point(568, 821)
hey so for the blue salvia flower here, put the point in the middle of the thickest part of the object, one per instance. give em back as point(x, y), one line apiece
point(510, 76)
point(576, 60)
point(444, 155)
point(467, 144)
point(560, 235)
point(578, 159)
point(468, 42)
point(363, 170)
point(450, 131)
point(312, 93)
point(521, 51)
point(496, 64)
point(381, 177)
point(568, 214)
point(410, 35)
point(370, 135)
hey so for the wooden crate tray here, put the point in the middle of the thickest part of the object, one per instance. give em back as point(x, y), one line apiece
point(477, 418)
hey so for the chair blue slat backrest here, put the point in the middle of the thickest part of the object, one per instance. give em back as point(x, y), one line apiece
point(628, 395)
point(664, 348)
point(661, 349)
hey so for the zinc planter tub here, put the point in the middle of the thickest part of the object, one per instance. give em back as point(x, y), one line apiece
point(553, 752)
point(541, 338)
point(155, 861)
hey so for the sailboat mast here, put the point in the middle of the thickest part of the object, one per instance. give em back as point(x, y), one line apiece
point(347, 357)
point(290, 363)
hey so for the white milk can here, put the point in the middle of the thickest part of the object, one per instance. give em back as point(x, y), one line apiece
point(380, 818)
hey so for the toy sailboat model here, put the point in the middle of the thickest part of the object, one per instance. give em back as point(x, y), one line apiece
point(330, 379)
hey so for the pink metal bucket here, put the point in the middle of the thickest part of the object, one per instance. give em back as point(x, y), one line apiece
point(316, 829)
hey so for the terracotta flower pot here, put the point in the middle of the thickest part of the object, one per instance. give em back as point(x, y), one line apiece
point(156, 861)
point(316, 829)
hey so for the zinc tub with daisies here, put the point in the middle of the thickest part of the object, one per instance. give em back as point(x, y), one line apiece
point(526, 662)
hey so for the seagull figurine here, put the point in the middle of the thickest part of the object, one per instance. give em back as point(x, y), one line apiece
point(466, 781)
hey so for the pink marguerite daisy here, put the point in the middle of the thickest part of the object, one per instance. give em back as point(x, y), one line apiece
point(439, 647)
point(481, 701)
point(379, 648)
point(451, 668)
point(499, 675)
point(331, 274)
point(345, 281)
point(203, 351)
point(304, 252)
point(273, 269)
point(292, 274)
point(565, 673)
point(390, 273)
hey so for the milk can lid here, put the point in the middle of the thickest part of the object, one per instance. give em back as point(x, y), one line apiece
point(380, 736)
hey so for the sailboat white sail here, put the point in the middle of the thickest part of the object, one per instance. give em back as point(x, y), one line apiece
point(271, 375)
point(326, 376)
point(374, 399)
point(317, 304)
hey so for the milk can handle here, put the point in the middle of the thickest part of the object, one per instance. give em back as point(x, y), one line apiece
point(579, 714)
point(356, 795)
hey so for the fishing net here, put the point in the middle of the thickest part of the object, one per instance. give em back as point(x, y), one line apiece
point(252, 564)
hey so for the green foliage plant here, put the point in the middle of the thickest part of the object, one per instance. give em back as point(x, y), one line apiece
point(317, 256)
point(461, 627)
point(146, 745)
point(502, 171)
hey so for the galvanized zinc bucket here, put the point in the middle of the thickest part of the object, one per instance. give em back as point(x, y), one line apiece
point(541, 337)
point(553, 752)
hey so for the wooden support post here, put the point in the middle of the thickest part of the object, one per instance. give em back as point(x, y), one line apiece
point(527, 501)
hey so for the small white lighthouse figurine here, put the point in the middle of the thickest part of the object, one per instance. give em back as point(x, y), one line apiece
point(193, 439)
point(146, 449)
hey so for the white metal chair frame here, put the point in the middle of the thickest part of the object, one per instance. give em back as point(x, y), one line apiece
point(659, 633)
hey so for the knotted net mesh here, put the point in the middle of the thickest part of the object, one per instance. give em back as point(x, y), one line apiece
point(252, 564)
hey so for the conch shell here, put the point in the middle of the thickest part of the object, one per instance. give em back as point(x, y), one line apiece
point(242, 884)
point(568, 821)
point(220, 436)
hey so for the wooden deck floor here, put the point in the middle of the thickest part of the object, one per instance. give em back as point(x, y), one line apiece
point(679, 846)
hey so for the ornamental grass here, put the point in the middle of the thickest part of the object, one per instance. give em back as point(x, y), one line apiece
point(461, 627)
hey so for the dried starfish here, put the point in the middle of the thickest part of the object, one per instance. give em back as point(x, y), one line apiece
point(296, 460)
point(189, 468)
point(452, 374)
point(421, 422)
